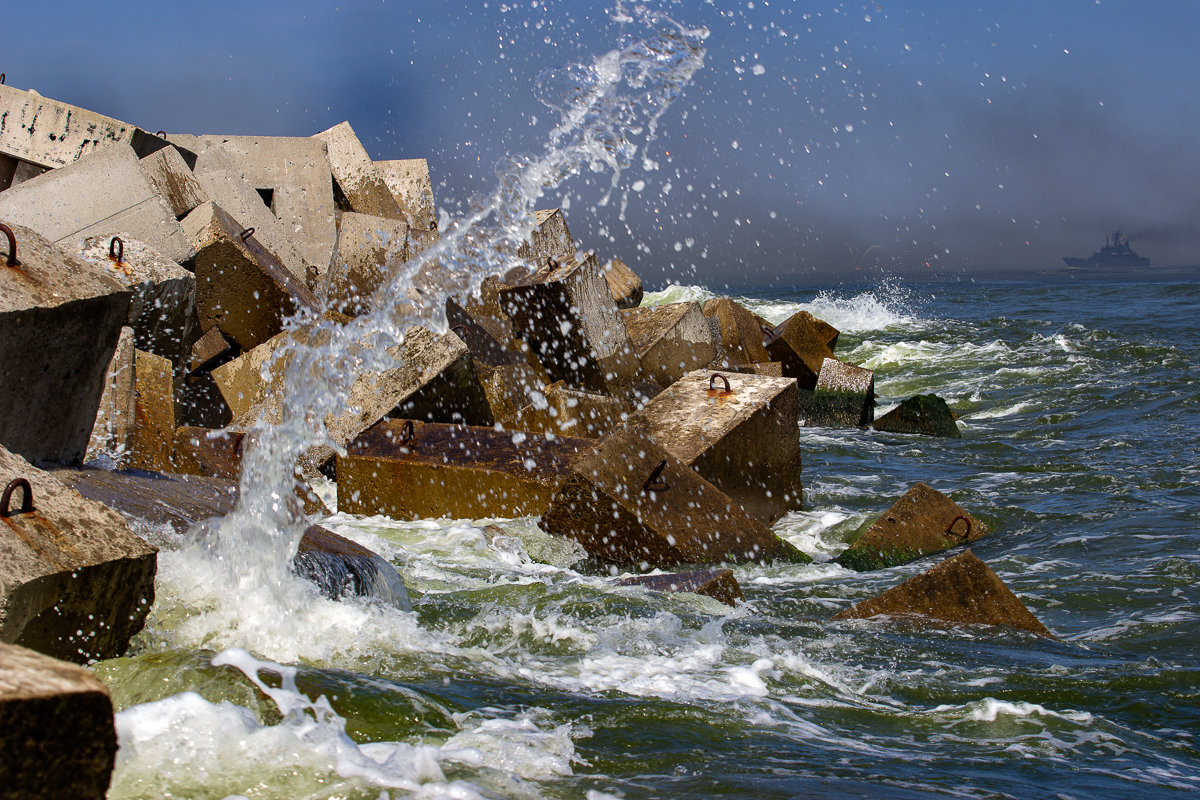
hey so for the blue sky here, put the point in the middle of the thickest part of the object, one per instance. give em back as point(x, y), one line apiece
point(968, 137)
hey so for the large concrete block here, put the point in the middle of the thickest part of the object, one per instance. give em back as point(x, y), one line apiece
point(366, 247)
point(432, 470)
point(241, 381)
point(670, 340)
point(716, 583)
point(211, 350)
point(75, 582)
point(241, 287)
point(549, 239)
point(103, 194)
point(623, 282)
point(563, 411)
point(56, 728)
point(570, 320)
point(14, 171)
point(153, 435)
point(359, 185)
point(962, 590)
point(743, 436)
point(109, 444)
point(632, 502)
point(921, 522)
point(342, 568)
point(485, 348)
point(59, 323)
point(171, 177)
point(925, 414)
point(409, 182)
point(741, 335)
point(208, 452)
point(800, 344)
point(843, 398)
point(510, 388)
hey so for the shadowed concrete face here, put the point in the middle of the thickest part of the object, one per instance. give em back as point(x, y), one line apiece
point(361, 187)
point(173, 179)
point(801, 344)
point(740, 334)
point(670, 340)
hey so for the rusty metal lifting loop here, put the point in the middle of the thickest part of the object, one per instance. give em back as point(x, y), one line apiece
point(551, 263)
point(712, 382)
point(26, 504)
point(460, 331)
point(116, 249)
point(433, 224)
point(653, 484)
point(2, 77)
point(951, 532)
point(161, 134)
point(246, 234)
point(406, 433)
point(12, 245)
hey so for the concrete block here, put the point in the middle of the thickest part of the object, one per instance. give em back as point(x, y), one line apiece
point(342, 568)
point(744, 439)
point(632, 502)
point(925, 414)
point(570, 320)
point(153, 434)
point(241, 286)
point(510, 388)
point(59, 324)
point(962, 590)
point(563, 411)
point(716, 583)
point(358, 185)
point(421, 239)
point(56, 728)
point(109, 444)
point(623, 283)
point(549, 239)
point(800, 344)
point(366, 247)
point(208, 452)
point(435, 470)
point(77, 582)
point(171, 177)
point(921, 522)
point(843, 398)
point(409, 182)
point(14, 171)
point(484, 347)
point(741, 336)
point(670, 340)
point(210, 349)
point(240, 380)
point(105, 193)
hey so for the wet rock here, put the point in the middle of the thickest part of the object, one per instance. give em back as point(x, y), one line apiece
point(844, 397)
point(740, 333)
point(434, 470)
point(740, 432)
point(342, 568)
point(921, 522)
point(716, 583)
point(154, 413)
point(56, 728)
point(77, 583)
point(623, 283)
point(961, 590)
point(59, 323)
point(109, 443)
point(510, 388)
point(563, 411)
point(171, 177)
point(924, 414)
point(409, 182)
point(632, 502)
point(358, 185)
point(800, 343)
point(670, 340)
point(366, 246)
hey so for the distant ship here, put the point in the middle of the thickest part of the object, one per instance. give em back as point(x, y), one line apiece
point(1115, 253)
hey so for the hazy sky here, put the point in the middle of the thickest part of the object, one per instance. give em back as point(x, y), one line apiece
point(819, 137)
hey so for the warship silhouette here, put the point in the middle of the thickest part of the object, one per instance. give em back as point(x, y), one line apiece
point(1115, 253)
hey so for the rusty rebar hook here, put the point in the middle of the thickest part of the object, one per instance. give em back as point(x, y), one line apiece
point(653, 484)
point(161, 134)
point(406, 433)
point(2, 77)
point(12, 244)
point(246, 234)
point(951, 532)
point(116, 249)
point(26, 504)
point(712, 382)
point(460, 331)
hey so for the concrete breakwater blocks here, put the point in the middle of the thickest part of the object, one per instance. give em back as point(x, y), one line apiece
point(670, 340)
point(962, 590)
point(738, 431)
point(110, 440)
point(76, 582)
point(843, 398)
point(924, 414)
point(921, 522)
point(359, 186)
point(366, 246)
point(417, 470)
point(485, 348)
point(718, 584)
point(549, 238)
point(563, 411)
point(409, 182)
point(59, 322)
point(56, 728)
point(740, 333)
point(172, 178)
point(623, 283)
point(631, 502)
point(801, 344)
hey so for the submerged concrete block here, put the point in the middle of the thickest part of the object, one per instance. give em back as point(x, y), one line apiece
point(670, 340)
point(962, 590)
point(110, 443)
point(56, 728)
point(738, 431)
point(359, 186)
point(921, 522)
point(924, 414)
point(77, 584)
point(623, 283)
point(632, 502)
point(409, 182)
point(103, 194)
point(171, 177)
point(800, 344)
point(366, 247)
point(59, 323)
point(718, 584)
point(844, 397)
point(741, 335)
point(153, 434)
point(432, 470)
point(342, 568)
point(563, 411)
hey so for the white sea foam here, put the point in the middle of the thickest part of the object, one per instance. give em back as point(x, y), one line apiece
point(677, 294)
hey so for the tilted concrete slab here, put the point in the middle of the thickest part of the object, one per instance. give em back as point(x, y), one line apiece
point(59, 323)
point(744, 438)
point(154, 413)
point(549, 238)
point(367, 250)
point(671, 340)
point(361, 185)
point(844, 396)
point(510, 388)
point(924, 414)
point(109, 445)
point(454, 471)
point(623, 282)
point(741, 335)
point(210, 349)
point(103, 194)
point(56, 728)
point(718, 584)
point(76, 582)
point(409, 182)
point(171, 177)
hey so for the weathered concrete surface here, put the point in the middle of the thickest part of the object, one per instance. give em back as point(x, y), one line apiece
point(716, 583)
point(563, 411)
point(109, 444)
point(409, 182)
point(452, 471)
point(844, 397)
point(549, 239)
point(75, 583)
point(570, 320)
point(210, 349)
point(366, 246)
point(359, 184)
point(56, 728)
point(103, 194)
point(171, 177)
point(670, 340)
point(153, 434)
point(240, 380)
point(14, 171)
point(59, 323)
point(925, 414)
point(484, 347)
point(741, 335)
point(241, 287)
point(961, 590)
point(162, 309)
point(745, 441)
point(510, 388)
point(623, 282)
point(632, 502)
point(921, 522)
point(207, 452)
point(800, 344)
